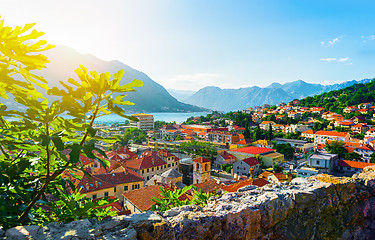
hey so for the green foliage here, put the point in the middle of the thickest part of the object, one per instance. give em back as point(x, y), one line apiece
point(135, 134)
point(372, 157)
point(226, 167)
point(277, 168)
point(171, 199)
point(285, 149)
point(336, 147)
point(337, 100)
point(199, 148)
point(269, 135)
point(75, 206)
point(32, 142)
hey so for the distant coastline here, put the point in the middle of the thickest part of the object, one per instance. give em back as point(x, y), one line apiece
point(177, 117)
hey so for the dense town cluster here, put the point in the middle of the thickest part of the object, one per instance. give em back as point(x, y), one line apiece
point(223, 152)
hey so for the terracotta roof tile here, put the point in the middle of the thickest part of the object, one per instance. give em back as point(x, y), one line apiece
point(201, 160)
point(332, 133)
point(354, 164)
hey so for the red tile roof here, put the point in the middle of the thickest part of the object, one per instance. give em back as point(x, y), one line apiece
point(354, 164)
point(201, 160)
point(309, 132)
point(260, 182)
point(253, 150)
point(209, 187)
point(251, 161)
point(120, 177)
point(228, 156)
point(96, 184)
point(332, 133)
point(145, 162)
point(141, 198)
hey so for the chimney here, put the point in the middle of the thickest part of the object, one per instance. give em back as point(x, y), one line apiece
point(251, 172)
point(153, 161)
point(87, 186)
point(290, 176)
point(96, 184)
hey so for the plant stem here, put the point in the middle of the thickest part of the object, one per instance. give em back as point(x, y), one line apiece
point(23, 218)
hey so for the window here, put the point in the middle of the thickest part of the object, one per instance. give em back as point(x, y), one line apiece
point(143, 171)
point(169, 165)
point(126, 188)
point(148, 169)
point(114, 189)
point(157, 168)
point(205, 167)
point(133, 186)
point(317, 162)
point(106, 194)
point(148, 177)
point(152, 169)
point(94, 196)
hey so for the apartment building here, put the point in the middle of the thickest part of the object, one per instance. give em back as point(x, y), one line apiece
point(146, 121)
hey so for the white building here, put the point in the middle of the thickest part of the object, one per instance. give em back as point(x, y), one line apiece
point(306, 172)
point(242, 167)
point(324, 162)
point(146, 121)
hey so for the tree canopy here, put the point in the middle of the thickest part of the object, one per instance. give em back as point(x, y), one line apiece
point(39, 146)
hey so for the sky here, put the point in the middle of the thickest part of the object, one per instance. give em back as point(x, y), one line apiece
point(190, 44)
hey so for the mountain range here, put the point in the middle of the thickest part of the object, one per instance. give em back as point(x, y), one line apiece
point(151, 97)
point(219, 99)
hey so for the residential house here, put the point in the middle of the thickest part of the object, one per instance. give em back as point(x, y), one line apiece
point(242, 167)
point(324, 162)
point(352, 167)
point(358, 119)
point(359, 128)
point(269, 156)
point(350, 109)
point(319, 110)
point(308, 134)
point(364, 105)
point(140, 200)
point(294, 128)
point(275, 177)
point(323, 136)
point(233, 187)
point(262, 143)
point(113, 183)
point(149, 164)
point(265, 125)
point(225, 159)
point(300, 145)
point(306, 172)
point(222, 137)
point(344, 124)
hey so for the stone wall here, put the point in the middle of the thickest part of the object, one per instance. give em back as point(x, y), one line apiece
point(322, 207)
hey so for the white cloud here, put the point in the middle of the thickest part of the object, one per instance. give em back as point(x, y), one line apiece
point(335, 59)
point(343, 59)
point(330, 43)
point(328, 59)
point(368, 38)
point(333, 42)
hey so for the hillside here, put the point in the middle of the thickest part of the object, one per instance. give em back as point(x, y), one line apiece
point(152, 97)
point(237, 99)
point(339, 99)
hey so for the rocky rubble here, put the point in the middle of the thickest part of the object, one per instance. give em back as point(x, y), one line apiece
point(321, 207)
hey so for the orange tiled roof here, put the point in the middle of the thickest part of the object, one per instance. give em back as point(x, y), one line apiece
point(260, 182)
point(332, 133)
point(354, 164)
point(201, 160)
point(309, 131)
